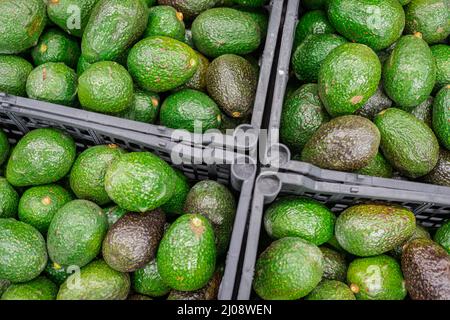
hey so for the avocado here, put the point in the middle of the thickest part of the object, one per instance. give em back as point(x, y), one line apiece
point(302, 115)
point(378, 167)
point(409, 74)
point(399, 131)
point(105, 87)
point(37, 289)
point(56, 273)
point(442, 236)
point(334, 265)
point(358, 71)
point(174, 61)
point(144, 108)
point(165, 21)
point(441, 54)
point(82, 65)
point(14, 72)
point(53, 82)
point(220, 31)
point(441, 116)
point(96, 281)
point(289, 269)
point(76, 233)
point(23, 251)
point(375, 23)
point(333, 243)
point(331, 290)
point(143, 231)
point(260, 16)
point(62, 12)
point(419, 232)
point(186, 256)
point(232, 82)
point(426, 266)
point(208, 292)
point(42, 156)
point(114, 213)
point(140, 181)
point(376, 103)
point(376, 278)
point(9, 199)
point(309, 55)
point(346, 143)
point(372, 229)
point(38, 205)
point(87, 177)
point(430, 18)
point(424, 111)
point(198, 80)
point(312, 22)
point(440, 174)
point(189, 8)
point(56, 46)
point(113, 27)
point(299, 217)
point(148, 281)
point(176, 202)
point(21, 24)
point(214, 201)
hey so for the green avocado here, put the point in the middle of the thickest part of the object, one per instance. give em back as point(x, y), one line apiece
point(21, 24)
point(331, 290)
point(372, 229)
point(440, 174)
point(144, 108)
point(441, 116)
point(87, 177)
point(82, 65)
point(174, 61)
point(165, 21)
point(441, 54)
point(424, 111)
point(42, 156)
point(37, 289)
point(38, 205)
point(260, 16)
point(334, 265)
point(9, 199)
point(176, 202)
point(400, 131)
point(114, 213)
point(148, 281)
point(23, 251)
point(378, 167)
point(357, 69)
point(53, 82)
point(220, 31)
point(56, 273)
point(76, 233)
point(299, 217)
point(189, 8)
point(419, 232)
point(289, 269)
point(442, 236)
point(198, 80)
point(376, 278)
point(312, 22)
point(14, 72)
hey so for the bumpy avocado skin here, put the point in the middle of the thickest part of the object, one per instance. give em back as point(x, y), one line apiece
point(42, 156)
point(37, 289)
point(198, 80)
point(9, 199)
point(331, 290)
point(114, 213)
point(442, 236)
point(409, 74)
point(358, 228)
point(312, 22)
point(148, 281)
point(289, 269)
point(165, 21)
point(346, 143)
point(425, 266)
point(424, 111)
point(441, 116)
point(378, 167)
point(440, 174)
point(176, 203)
point(419, 232)
point(376, 103)
point(14, 71)
point(407, 143)
point(144, 108)
point(441, 53)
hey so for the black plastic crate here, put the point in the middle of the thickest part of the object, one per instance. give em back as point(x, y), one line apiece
point(245, 136)
point(235, 170)
point(431, 210)
point(281, 153)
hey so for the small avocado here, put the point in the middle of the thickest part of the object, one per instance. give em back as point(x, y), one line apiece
point(376, 278)
point(186, 255)
point(424, 111)
point(214, 201)
point(176, 202)
point(331, 290)
point(208, 292)
point(76, 233)
point(312, 22)
point(96, 281)
point(9, 199)
point(38, 205)
point(14, 71)
point(232, 82)
point(37, 289)
point(345, 143)
point(114, 213)
point(23, 251)
point(289, 269)
point(189, 8)
point(42, 156)
point(372, 229)
point(147, 281)
point(442, 236)
point(426, 266)
point(144, 108)
point(53, 82)
point(299, 217)
point(378, 167)
point(376, 103)
point(334, 264)
point(419, 232)
point(143, 231)
point(441, 54)
point(140, 181)
point(441, 116)
point(165, 21)
point(87, 177)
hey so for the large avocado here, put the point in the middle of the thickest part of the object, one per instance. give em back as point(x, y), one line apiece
point(14, 71)
point(441, 116)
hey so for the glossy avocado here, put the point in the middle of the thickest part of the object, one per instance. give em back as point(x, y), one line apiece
point(440, 174)
point(334, 264)
point(147, 280)
point(312, 22)
point(176, 203)
point(165, 21)
point(441, 53)
point(441, 116)
point(144, 108)
point(331, 290)
point(260, 16)
point(14, 72)
point(40, 288)
point(198, 80)
point(9, 199)
point(189, 8)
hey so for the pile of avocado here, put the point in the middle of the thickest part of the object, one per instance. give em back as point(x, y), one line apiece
point(183, 64)
point(106, 224)
point(371, 251)
point(370, 88)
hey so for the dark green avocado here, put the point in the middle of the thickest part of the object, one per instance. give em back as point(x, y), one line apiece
point(176, 202)
point(334, 265)
point(441, 53)
point(147, 281)
point(312, 22)
point(442, 236)
point(189, 8)
point(378, 167)
point(14, 72)
point(441, 116)
point(144, 108)
point(165, 21)
point(9, 199)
